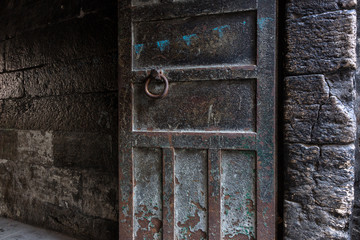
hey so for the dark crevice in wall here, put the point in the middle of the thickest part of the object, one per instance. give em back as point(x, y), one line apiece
point(281, 167)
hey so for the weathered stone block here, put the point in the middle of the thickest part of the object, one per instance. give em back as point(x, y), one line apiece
point(22, 16)
point(309, 7)
point(82, 37)
point(35, 147)
point(82, 113)
point(301, 164)
point(5, 186)
point(321, 43)
point(313, 115)
point(8, 145)
point(319, 191)
point(341, 85)
point(310, 89)
point(11, 85)
point(95, 74)
point(60, 187)
point(312, 223)
point(334, 124)
point(84, 151)
point(100, 198)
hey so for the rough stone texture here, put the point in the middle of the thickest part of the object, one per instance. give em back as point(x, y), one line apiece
point(326, 175)
point(35, 147)
point(314, 115)
point(64, 219)
point(316, 44)
point(95, 74)
point(58, 115)
point(86, 112)
point(31, 179)
point(84, 150)
point(8, 145)
point(298, 8)
point(100, 195)
point(37, 47)
point(11, 85)
point(25, 14)
point(319, 118)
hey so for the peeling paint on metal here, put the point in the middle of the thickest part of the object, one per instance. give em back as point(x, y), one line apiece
point(147, 193)
point(191, 194)
point(238, 200)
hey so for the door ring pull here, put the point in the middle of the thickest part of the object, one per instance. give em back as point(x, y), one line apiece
point(157, 75)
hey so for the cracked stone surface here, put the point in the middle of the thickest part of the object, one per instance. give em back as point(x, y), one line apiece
point(319, 192)
point(314, 115)
point(319, 119)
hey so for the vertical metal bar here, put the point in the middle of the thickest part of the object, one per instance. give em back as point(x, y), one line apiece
point(168, 193)
point(214, 209)
point(126, 194)
point(266, 120)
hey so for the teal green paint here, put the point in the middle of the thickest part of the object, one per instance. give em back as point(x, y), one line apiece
point(187, 38)
point(220, 30)
point(162, 45)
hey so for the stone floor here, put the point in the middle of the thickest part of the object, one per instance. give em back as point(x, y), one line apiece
point(12, 230)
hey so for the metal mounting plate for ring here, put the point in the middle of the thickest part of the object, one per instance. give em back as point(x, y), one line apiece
point(153, 75)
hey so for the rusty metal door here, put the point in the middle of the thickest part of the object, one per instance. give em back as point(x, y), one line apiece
point(198, 163)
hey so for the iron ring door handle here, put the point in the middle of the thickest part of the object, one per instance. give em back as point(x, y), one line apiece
point(157, 75)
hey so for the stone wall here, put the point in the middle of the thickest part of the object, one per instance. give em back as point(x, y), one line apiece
point(320, 123)
point(58, 115)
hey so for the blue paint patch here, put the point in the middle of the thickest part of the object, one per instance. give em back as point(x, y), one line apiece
point(163, 44)
point(139, 48)
point(187, 38)
point(263, 21)
point(220, 30)
point(244, 23)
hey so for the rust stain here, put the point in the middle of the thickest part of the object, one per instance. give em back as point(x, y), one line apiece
point(238, 237)
point(177, 180)
point(170, 139)
point(156, 225)
point(250, 205)
point(144, 232)
point(149, 225)
point(199, 206)
point(186, 232)
point(192, 221)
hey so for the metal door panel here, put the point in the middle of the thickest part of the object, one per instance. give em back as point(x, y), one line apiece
point(200, 106)
point(199, 163)
point(196, 41)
